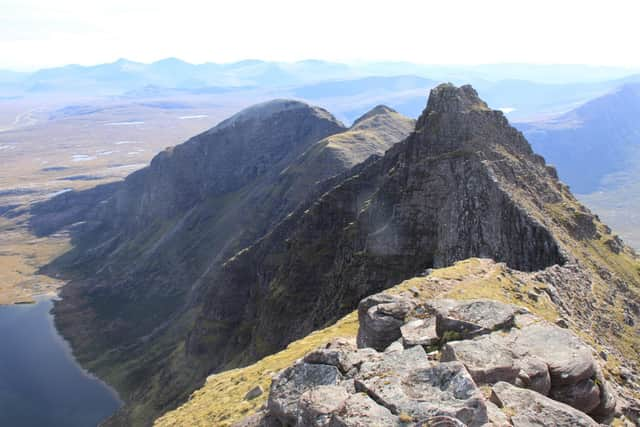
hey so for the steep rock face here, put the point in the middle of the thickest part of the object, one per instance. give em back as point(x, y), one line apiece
point(142, 249)
point(463, 184)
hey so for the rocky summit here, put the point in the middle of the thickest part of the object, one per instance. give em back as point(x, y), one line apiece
point(215, 267)
point(490, 364)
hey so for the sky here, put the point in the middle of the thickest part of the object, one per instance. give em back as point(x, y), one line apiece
point(44, 33)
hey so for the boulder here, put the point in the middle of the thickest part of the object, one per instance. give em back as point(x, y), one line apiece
point(457, 320)
point(290, 384)
point(419, 332)
point(317, 406)
point(380, 317)
point(253, 393)
point(528, 408)
point(568, 358)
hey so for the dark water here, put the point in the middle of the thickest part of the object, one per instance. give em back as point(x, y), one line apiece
point(41, 385)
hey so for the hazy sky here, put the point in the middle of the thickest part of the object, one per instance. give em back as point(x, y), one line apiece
point(38, 33)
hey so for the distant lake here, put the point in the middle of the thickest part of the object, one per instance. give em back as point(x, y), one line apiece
point(41, 385)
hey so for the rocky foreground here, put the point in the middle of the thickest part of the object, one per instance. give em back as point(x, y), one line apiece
point(445, 362)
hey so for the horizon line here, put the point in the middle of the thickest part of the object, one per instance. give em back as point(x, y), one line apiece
point(355, 62)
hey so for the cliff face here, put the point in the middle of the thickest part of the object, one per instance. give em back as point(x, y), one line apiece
point(463, 184)
point(141, 250)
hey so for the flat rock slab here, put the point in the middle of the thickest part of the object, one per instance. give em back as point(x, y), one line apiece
point(407, 383)
point(486, 358)
point(342, 354)
point(531, 409)
point(457, 320)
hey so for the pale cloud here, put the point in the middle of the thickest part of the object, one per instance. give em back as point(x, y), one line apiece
point(45, 33)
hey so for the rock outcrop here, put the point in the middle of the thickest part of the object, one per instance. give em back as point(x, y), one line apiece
point(499, 378)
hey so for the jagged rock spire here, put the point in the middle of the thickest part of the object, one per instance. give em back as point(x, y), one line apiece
point(447, 98)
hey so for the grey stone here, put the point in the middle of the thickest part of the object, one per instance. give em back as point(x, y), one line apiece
point(317, 406)
point(440, 421)
point(467, 319)
point(260, 419)
point(410, 384)
point(497, 418)
point(530, 408)
point(339, 353)
point(400, 362)
point(486, 359)
point(569, 359)
point(608, 399)
point(419, 332)
point(291, 383)
point(584, 395)
point(626, 374)
point(361, 411)
point(380, 317)
point(394, 346)
point(533, 374)
point(253, 393)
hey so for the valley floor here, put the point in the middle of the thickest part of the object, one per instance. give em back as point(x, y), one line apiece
point(48, 150)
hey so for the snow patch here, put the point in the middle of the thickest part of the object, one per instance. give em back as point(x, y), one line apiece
point(82, 158)
point(197, 116)
point(57, 193)
point(123, 123)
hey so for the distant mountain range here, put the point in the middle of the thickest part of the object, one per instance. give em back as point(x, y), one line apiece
point(582, 119)
point(596, 148)
point(124, 75)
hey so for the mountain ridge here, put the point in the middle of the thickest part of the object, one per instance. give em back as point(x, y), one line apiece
point(463, 183)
